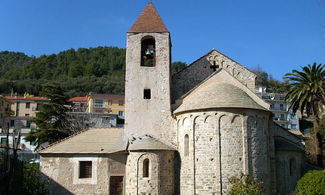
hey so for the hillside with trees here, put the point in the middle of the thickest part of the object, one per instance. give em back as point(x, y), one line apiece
point(78, 72)
point(271, 84)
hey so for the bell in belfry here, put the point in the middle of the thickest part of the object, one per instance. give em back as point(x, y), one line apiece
point(148, 52)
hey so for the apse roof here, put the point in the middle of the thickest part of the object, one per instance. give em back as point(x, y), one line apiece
point(217, 95)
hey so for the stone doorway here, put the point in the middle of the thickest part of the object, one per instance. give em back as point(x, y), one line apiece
point(116, 185)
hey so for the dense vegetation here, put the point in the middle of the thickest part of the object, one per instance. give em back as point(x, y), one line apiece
point(312, 183)
point(12, 60)
point(32, 184)
point(78, 72)
point(306, 93)
point(271, 84)
point(51, 121)
point(244, 185)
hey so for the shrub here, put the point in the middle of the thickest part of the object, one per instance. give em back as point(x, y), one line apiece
point(245, 185)
point(32, 184)
point(312, 183)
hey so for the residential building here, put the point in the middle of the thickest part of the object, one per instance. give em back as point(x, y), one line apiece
point(78, 104)
point(5, 109)
point(5, 112)
point(22, 125)
point(23, 110)
point(110, 114)
point(26, 106)
point(86, 120)
point(282, 115)
point(106, 103)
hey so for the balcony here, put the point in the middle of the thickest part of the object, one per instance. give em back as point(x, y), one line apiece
point(78, 109)
point(280, 119)
point(102, 110)
point(11, 146)
point(278, 110)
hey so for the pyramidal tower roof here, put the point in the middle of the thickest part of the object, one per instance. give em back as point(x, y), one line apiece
point(148, 21)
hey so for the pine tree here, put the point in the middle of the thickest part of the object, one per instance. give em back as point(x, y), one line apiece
point(51, 120)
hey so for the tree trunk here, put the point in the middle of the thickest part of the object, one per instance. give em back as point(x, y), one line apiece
point(317, 147)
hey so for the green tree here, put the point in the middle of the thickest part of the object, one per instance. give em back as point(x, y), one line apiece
point(306, 94)
point(177, 66)
point(312, 183)
point(32, 184)
point(12, 60)
point(306, 91)
point(51, 120)
point(97, 70)
point(321, 137)
point(244, 185)
point(271, 84)
point(262, 77)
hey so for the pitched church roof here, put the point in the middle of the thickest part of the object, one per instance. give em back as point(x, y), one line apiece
point(91, 141)
point(282, 144)
point(149, 21)
point(103, 141)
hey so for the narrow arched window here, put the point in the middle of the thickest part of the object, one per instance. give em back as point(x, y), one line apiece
point(148, 52)
point(186, 145)
point(292, 166)
point(146, 168)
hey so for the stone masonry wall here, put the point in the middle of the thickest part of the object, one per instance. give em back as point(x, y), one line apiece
point(258, 150)
point(231, 148)
point(190, 77)
point(286, 181)
point(235, 69)
point(154, 113)
point(220, 147)
point(194, 74)
point(62, 172)
point(161, 173)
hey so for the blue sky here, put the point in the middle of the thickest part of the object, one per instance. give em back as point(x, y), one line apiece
point(277, 35)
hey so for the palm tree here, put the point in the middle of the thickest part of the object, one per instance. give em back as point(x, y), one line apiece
point(306, 94)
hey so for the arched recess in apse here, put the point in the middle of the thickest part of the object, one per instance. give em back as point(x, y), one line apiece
point(231, 147)
point(148, 168)
point(196, 126)
point(251, 132)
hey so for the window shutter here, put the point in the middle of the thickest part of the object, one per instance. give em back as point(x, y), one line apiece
point(85, 169)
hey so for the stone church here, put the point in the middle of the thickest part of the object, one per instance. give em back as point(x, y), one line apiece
point(185, 133)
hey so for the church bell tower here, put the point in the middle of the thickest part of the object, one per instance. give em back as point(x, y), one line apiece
point(147, 86)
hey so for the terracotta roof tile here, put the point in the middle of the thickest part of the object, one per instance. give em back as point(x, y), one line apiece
point(89, 141)
point(78, 99)
point(107, 95)
point(149, 21)
point(26, 98)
